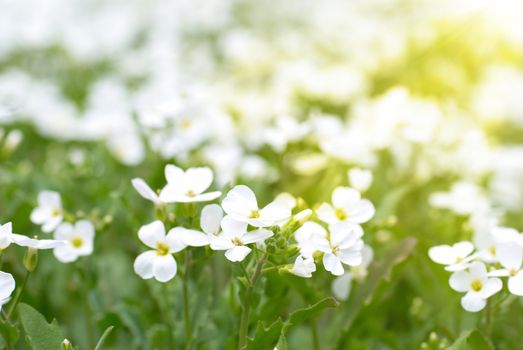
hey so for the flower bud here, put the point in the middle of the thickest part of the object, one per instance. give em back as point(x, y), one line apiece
point(66, 345)
point(12, 140)
point(31, 259)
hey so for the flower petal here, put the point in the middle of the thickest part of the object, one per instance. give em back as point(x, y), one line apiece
point(174, 239)
point(460, 281)
point(7, 285)
point(473, 302)
point(491, 287)
point(240, 202)
point(144, 190)
point(256, 236)
point(345, 197)
point(327, 213)
point(164, 268)
point(211, 218)
point(143, 264)
point(333, 264)
point(152, 233)
point(232, 226)
point(515, 284)
point(173, 174)
point(510, 255)
point(341, 286)
point(192, 238)
point(237, 253)
point(198, 179)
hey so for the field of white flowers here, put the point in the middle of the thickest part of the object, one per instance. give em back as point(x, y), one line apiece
point(259, 175)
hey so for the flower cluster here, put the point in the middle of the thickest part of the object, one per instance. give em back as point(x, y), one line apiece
point(78, 237)
point(476, 267)
point(240, 224)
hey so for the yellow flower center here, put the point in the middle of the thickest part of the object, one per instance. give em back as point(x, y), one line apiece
point(492, 250)
point(476, 285)
point(56, 212)
point(335, 249)
point(513, 272)
point(190, 193)
point(341, 214)
point(162, 249)
point(459, 259)
point(77, 242)
point(185, 123)
point(237, 241)
point(254, 214)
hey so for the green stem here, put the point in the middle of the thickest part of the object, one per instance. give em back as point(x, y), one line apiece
point(186, 311)
point(315, 336)
point(17, 296)
point(246, 307)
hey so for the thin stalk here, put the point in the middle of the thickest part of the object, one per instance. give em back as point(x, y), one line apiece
point(17, 296)
point(186, 311)
point(246, 307)
point(315, 336)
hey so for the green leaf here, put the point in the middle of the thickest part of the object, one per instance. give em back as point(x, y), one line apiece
point(8, 331)
point(282, 343)
point(378, 271)
point(265, 338)
point(39, 334)
point(471, 340)
point(103, 337)
point(305, 314)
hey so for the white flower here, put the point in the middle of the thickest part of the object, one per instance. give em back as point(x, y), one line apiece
point(487, 242)
point(79, 240)
point(7, 237)
point(145, 191)
point(7, 286)
point(240, 203)
point(463, 198)
point(342, 285)
point(476, 283)
point(510, 256)
point(210, 220)
point(344, 246)
point(158, 262)
point(360, 179)
point(303, 266)
point(456, 257)
point(311, 237)
point(187, 186)
point(347, 207)
point(49, 211)
point(234, 239)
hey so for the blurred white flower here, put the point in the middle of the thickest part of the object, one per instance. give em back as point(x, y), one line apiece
point(360, 179)
point(342, 285)
point(241, 204)
point(463, 198)
point(303, 267)
point(188, 186)
point(234, 239)
point(456, 257)
point(347, 206)
point(49, 212)
point(510, 256)
point(79, 240)
point(476, 284)
point(158, 262)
